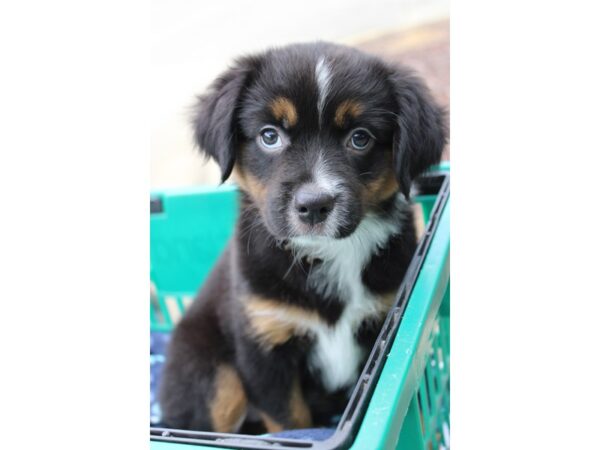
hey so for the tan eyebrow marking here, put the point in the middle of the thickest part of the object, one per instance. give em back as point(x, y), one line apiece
point(350, 108)
point(283, 109)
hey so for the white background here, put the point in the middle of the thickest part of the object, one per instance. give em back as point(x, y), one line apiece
point(74, 173)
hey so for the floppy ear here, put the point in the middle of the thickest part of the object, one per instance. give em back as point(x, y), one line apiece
point(214, 117)
point(421, 130)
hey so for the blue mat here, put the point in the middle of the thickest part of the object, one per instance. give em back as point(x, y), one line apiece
point(158, 345)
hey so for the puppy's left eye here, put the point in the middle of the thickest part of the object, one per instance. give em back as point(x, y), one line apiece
point(360, 140)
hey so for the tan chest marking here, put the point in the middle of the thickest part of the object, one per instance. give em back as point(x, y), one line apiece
point(274, 323)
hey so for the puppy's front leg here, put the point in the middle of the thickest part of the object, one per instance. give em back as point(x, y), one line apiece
point(298, 415)
point(272, 384)
point(268, 352)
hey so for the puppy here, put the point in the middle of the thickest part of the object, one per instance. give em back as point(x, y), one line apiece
point(323, 142)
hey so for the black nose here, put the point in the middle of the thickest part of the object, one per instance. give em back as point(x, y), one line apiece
point(313, 205)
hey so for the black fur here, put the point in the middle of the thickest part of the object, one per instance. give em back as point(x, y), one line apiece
point(409, 133)
point(215, 120)
point(421, 132)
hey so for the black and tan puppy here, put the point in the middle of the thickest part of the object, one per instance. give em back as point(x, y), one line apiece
point(324, 142)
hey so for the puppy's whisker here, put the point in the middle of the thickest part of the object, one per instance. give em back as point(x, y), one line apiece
point(295, 260)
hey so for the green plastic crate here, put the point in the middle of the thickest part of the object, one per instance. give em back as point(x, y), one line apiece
point(188, 231)
point(409, 405)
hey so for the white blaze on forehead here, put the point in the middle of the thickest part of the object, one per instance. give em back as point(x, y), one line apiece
point(323, 77)
point(324, 178)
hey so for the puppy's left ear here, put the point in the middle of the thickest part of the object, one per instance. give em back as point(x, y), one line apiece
point(215, 115)
point(421, 128)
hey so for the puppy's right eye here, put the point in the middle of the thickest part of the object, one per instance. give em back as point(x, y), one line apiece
point(270, 139)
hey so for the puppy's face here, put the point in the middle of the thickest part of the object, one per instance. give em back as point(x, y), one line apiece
point(318, 135)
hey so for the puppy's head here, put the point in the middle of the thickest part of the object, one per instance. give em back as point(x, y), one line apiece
point(318, 135)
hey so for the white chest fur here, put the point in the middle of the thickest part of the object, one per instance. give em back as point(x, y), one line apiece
point(336, 353)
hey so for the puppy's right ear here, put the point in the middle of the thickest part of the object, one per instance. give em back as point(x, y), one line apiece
point(215, 115)
point(421, 128)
